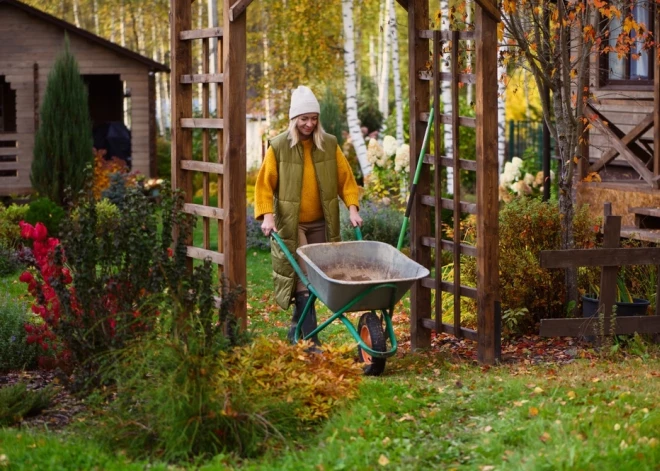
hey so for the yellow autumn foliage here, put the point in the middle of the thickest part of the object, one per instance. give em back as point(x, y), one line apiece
point(523, 101)
point(271, 371)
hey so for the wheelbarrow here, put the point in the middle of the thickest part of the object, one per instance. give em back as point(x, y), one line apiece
point(356, 276)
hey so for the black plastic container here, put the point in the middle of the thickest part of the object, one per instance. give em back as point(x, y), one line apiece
point(637, 308)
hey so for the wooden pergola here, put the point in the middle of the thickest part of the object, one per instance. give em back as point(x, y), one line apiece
point(228, 167)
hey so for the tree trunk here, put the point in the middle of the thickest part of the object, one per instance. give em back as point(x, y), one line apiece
point(445, 98)
point(122, 24)
point(501, 112)
point(159, 110)
point(373, 68)
point(95, 6)
point(383, 89)
point(396, 71)
point(212, 11)
point(76, 13)
point(566, 149)
point(350, 81)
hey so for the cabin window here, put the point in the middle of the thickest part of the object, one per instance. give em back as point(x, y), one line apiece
point(7, 107)
point(635, 67)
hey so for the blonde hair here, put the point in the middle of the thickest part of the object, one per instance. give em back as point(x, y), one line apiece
point(294, 135)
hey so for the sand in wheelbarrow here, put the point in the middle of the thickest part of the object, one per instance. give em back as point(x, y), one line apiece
point(352, 272)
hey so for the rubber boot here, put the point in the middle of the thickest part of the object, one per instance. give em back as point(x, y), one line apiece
point(310, 322)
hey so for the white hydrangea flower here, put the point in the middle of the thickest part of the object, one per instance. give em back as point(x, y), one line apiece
point(511, 174)
point(402, 158)
point(517, 162)
point(528, 179)
point(374, 152)
point(389, 145)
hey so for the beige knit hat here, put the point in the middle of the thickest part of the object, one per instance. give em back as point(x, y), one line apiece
point(303, 101)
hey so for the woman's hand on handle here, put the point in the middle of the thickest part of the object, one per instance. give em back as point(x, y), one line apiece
point(355, 218)
point(268, 225)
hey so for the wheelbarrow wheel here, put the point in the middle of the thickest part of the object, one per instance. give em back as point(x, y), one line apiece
point(371, 332)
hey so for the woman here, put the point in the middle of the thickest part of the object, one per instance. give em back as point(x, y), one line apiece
point(303, 175)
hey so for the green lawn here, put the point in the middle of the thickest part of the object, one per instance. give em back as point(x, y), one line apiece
point(432, 412)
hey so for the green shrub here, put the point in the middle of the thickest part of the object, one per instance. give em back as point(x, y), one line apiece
point(15, 352)
point(10, 261)
point(10, 232)
point(164, 158)
point(528, 226)
point(17, 402)
point(47, 212)
point(63, 142)
point(380, 223)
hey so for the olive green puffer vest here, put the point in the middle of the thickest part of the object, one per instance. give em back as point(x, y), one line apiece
point(287, 204)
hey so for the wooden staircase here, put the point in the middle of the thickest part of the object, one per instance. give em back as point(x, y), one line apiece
point(647, 225)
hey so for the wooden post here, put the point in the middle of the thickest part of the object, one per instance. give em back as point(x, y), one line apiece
point(611, 238)
point(181, 106)
point(489, 325)
point(234, 112)
point(656, 97)
point(418, 52)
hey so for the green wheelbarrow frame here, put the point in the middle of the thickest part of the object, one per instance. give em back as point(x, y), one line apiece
point(314, 295)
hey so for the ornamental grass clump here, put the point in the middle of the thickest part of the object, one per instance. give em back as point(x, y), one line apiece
point(189, 391)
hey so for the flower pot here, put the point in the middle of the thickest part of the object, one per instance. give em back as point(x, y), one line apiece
point(590, 309)
point(636, 308)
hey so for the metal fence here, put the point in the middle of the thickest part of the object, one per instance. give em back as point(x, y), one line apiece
point(525, 138)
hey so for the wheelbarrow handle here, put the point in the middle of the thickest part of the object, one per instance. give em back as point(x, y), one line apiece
point(358, 233)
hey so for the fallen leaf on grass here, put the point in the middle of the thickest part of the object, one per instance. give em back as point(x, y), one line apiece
point(488, 428)
point(595, 380)
point(383, 461)
point(545, 436)
point(533, 411)
point(406, 417)
point(571, 395)
point(538, 390)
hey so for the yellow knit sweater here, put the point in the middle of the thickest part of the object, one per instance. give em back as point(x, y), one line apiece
point(310, 200)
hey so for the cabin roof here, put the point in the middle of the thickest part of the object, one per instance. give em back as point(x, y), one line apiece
point(151, 64)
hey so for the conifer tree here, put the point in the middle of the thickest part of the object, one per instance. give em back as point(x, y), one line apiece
point(63, 142)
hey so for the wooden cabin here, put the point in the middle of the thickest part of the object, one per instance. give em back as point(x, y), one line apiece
point(121, 86)
point(624, 137)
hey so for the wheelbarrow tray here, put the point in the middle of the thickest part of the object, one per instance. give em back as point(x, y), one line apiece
point(340, 272)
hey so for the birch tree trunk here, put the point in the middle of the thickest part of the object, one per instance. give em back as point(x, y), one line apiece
point(76, 14)
point(373, 68)
point(95, 6)
point(445, 98)
point(501, 112)
point(112, 26)
point(159, 110)
point(350, 81)
point(122, 24)
point(212, 11)
point(383, 89)
point(396, 71)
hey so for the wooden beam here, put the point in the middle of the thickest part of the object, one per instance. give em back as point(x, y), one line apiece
point(490, 9)
point(469, 334)
point(418, 53)
point(203, 254)
point(468, 208)
point(234, 248)
point(632, 159)
point(599, 257)
point(200, 34)
point(447, 77)
point(449, 246)
point(202, 123)
point(205, 211)
point(632, 135)
point(590, 326)
point(448, 162)
point(237, 9)
point(205, 167)
point(202, 78)
point(488, 312)
point(465, 291)
point(437, 179)
point(445, 35)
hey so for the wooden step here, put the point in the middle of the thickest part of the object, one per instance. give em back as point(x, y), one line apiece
point(200, 34)
point(646, 218)
point(636, 233)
